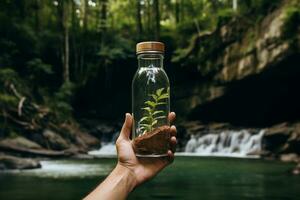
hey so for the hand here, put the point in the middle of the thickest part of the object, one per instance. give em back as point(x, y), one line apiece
point(142, 168)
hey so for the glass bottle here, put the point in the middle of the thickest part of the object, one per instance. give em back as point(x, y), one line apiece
point(150, 102)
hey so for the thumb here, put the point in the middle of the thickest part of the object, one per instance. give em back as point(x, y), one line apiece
point(126, 129)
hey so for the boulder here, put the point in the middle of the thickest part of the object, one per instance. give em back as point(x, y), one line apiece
point(54, 140)
point(12, 162)
point(296, 170)
point(20, 142)
point(276, 137)
point(81, 138)
point(291, 157)
point(283, 138)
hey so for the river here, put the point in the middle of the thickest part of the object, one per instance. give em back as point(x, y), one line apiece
point(187, 178)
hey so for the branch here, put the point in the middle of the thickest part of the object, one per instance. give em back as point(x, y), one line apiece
point(20, 106)
point(14, 90)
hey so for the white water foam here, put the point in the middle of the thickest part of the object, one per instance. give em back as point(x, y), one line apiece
point(106, 150)
point(227, 143)
point(241, 144)
point(67, 169)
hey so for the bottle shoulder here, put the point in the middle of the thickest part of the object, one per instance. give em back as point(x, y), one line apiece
point(151, 74)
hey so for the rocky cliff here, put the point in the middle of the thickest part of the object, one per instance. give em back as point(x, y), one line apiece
point(249, 70)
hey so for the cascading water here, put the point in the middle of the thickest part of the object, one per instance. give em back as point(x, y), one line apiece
point(108, 147)
point(226, 143)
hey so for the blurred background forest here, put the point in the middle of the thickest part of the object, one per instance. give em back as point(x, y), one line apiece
point(66, 68)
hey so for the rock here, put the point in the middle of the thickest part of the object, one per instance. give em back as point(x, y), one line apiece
point(54, 140)
point(83, 156)
point(283, 138)
point(20, 142)
point(296, 170)
point(81, 138)
point(100, 128)
point(292, 157)
point(245, 59)
point(34, 152)
point(276, 137)
point(193, 127)
point(12, 162)
point(105, 128)
point(279, 129)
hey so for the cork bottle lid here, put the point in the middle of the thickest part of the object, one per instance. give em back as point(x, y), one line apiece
point(150, 46)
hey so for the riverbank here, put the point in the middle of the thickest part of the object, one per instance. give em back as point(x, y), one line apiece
point(279, 142)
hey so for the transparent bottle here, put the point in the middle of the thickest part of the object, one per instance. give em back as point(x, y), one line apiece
point(150, 102)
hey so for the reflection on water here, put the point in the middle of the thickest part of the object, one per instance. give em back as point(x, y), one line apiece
point(62, 169)
point(187, 178)
point(67, 169)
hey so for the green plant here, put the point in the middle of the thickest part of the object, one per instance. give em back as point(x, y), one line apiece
point(152, 112)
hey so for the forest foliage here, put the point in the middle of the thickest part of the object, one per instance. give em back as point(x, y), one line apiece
point(50, 49)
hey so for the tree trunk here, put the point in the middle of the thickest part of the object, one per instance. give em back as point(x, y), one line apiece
point(149, 27)
point(74, 41)
point(103, 20)
point(234, 5)
point(83, 39)
point(157, 18)
point(214, 5)
point(37, 7)
point(177, 10)
point(139, 19)
point(66, 54)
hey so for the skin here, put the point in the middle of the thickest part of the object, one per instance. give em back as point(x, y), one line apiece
point(131, 171)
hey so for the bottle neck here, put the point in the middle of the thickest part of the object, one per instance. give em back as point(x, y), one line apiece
point(150, 60)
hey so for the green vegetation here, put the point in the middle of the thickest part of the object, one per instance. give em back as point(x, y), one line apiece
point(152, 112)
point(57, 56)
point(291, 22)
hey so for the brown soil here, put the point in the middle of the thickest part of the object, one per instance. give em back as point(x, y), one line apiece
point(155, 142)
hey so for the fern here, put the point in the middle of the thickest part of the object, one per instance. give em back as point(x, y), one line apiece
point(152, 114)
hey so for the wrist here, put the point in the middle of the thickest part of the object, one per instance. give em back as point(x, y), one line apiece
point(128, 175)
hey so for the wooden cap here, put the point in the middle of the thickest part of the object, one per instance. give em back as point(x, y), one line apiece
point(150, 46)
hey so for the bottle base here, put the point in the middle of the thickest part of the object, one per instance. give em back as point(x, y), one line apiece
point(151, 155)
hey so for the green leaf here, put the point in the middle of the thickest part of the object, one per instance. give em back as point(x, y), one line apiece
point(163, 96)
point(151, 103)
point(161, 103)
point(147, 109)
point(159, 91)
point(145, 119)
point(153, 123)
point(153, 96)
point(158, 112)
point(159, 117)
point(145, 125)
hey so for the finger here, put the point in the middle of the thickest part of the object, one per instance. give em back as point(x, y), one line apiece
point(173, 143)
point(173, 131)
point(171, 117)
point(170, 156)
point(126, 129)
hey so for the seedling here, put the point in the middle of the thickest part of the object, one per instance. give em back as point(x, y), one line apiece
point(151, 112)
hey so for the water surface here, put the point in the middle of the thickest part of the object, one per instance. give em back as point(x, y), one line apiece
point(187, 178)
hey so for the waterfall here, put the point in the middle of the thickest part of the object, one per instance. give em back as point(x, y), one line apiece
point(108, 147)
point(226, 143)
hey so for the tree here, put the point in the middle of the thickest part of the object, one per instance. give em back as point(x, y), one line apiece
point(177, 10)
point(64, 15)
point(234, 4)
point(157, 18)
point(37, 8)
point(139, 24)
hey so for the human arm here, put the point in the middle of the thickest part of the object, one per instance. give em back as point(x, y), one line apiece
point(131, 171)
